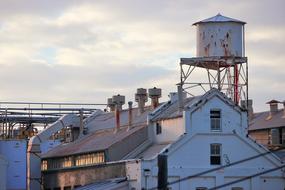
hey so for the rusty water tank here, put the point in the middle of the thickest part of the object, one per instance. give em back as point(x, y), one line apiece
point(220, 36)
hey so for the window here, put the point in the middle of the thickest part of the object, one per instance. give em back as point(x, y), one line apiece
point(215, 157)
point(158, 128)
point(215, 116)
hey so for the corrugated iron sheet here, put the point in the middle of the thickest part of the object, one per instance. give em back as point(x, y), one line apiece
point(219, 18)
point(96, 141)
point(111, 184)
point(263, 121)
point(171, 110)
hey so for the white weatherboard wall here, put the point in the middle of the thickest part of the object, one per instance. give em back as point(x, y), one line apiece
point(15, 153)
point(191, 153)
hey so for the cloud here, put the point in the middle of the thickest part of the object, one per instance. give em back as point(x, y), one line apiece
point(87, 50)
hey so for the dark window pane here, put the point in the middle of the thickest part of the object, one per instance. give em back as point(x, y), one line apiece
point(158, 128)
point(215, 160)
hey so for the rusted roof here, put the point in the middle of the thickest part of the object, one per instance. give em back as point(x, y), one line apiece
point(93, 142)
point(219, 18)
point(264, 120)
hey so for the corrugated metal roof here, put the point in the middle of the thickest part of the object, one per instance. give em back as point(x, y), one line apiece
point(219, 18)
point(171, 110)
point(101, 135)
point(106, 120)
point(110, 184)
point(263, 120)
point(96, 141)
point(152, 151)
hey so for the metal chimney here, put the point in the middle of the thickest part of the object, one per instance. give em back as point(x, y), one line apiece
point(141, 98)
point(118, 100)
point(154, 94)
point(180, 97)
point(130, 103)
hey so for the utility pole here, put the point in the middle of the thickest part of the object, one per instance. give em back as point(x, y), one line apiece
point(162, 172)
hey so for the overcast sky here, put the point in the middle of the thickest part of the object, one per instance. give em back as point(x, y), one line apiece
point(88, 50)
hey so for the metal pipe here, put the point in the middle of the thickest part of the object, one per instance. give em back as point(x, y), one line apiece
point(130, 103)
point(117, 117)
point(52, 103)
point(50, 109)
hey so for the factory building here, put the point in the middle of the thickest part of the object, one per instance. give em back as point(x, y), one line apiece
point(204, 137)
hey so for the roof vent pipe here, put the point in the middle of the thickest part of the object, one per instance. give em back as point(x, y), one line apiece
point(110, 104)
point(154, 94)
point(180, 97)
point(118, 100)
point(284, 109)
point(247, 104)
point(130, 103)
point(141, 98)
point(81, 127)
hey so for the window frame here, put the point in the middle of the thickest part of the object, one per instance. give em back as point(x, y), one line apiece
point(214, 117)
point(158, 128)
point(215, 155)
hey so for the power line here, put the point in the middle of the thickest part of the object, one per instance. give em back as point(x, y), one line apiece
point(220, 167)
point(248, 177)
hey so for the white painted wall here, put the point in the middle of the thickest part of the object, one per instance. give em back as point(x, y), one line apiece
point(172, 129)
point(191, 154)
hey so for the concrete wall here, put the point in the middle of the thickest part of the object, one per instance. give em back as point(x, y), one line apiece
point(79, 176)
point(120, 149)
point(261, 136)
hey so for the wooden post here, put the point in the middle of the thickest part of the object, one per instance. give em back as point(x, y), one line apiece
point(162, 172)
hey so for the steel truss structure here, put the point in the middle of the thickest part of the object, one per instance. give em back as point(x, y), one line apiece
point(228, 74)
point(25, 116)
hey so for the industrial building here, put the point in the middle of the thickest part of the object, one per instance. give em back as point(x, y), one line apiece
point(199, 134)
point(202, 131)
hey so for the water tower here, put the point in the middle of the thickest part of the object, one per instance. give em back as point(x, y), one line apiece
point(220, 61)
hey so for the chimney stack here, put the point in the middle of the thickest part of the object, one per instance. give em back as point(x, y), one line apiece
point(273, 107)
point(111, 104)
point(154, 94)
point(118, 100)
point(141, 98)
point(130, 103)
